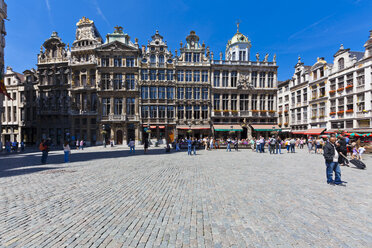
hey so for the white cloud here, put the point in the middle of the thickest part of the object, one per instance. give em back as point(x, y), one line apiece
point(47, 3)
point(100, 13)
point(309, 27)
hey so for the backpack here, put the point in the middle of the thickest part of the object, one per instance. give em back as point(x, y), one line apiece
point(41, 147)
point(272, 141)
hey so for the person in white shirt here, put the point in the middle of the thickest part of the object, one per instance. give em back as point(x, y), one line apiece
point(132, 146)
point(67, 151)
point(361, 151)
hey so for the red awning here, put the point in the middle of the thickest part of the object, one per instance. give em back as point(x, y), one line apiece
point(152, 126)
point(298, 132)
point(161, 127)
point(315, 131)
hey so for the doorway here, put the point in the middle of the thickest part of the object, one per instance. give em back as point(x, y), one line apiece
point(119, 137)
point(131, 134)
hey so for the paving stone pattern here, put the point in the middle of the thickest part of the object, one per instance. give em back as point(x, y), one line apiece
point(108, 198)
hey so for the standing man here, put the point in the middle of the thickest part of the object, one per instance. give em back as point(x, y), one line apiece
point(189, 146)
point(132, 146)
point(272, 143)
point(228, 149)
point(292, 143)
point(44, 148)
point(331, 159)
point(278, 145)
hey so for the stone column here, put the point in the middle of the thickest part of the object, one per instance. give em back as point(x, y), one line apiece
point(112, 105)
point(238, 102)
point(229, 79)
point(124, 112)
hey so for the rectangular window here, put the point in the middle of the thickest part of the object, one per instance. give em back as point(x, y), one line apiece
point(262, 102)
point(180, 76)
point(205, 112)
point(196, 57)
point(180, 112)
point(188, 57)
point(118, 82)
point(106, 81)
point(180, 93)
point(153, 92)
point(144, 74)
point(197, 76)
point(161, 75)
point(93, 100)
point(205, 93)
point(204, 76)
point(188, 112)
point(145, 111)
point(105, 106)
point(153, 75)
point(129, 79)
point(117, 61)
point(225, 79)
point(196, 112)
point(271, 102)
point(216, 101)
point(188, 76)
point(144, 92)
point(161, 92)
point(161, 111)
point(170, 75)
point(118, 106)
point(254, 79)
point(170, 93)
point(153, 111)
point(216, 78)
point(130, 106)
point(225, 102)
point(170, 112)
point(234, 100)
point(105, 61)
point(244, 102)
point(197, 93)
point(270, 80)
point(188, 93)
point(254, 102)
point(234, 78)
point(262, 79)
point(130, 61)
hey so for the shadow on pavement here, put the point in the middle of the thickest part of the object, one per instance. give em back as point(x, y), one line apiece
point(12, 166)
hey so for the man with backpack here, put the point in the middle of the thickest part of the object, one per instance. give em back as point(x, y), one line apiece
point(331, 157)
point(272, 143)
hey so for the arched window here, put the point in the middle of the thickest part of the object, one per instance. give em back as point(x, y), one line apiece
point(152, 58)
point(233, 56)
point(341, 64)
point(161, 59)
point(54, 52)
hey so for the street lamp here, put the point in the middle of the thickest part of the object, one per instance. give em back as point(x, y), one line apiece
point(104, 135)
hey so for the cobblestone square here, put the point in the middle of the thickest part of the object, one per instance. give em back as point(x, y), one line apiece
point(108, 198)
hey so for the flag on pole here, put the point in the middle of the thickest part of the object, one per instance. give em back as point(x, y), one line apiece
point(2, 84)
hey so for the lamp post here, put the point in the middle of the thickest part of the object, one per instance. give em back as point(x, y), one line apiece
point(104, 135)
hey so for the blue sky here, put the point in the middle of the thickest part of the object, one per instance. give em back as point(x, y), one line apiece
point(288, 28)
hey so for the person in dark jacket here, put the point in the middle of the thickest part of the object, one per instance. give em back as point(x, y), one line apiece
point(341, 148)
point(331, 157)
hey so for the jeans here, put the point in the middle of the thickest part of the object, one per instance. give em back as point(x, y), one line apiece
point(292, 148)
point(272, 149)
point(189, 150)
point(44, 157)
point(262, 147)
point(67, 155)
point(333, 167)
point(278, 149)
point(228, 149)
point(177, 147)
point(194, 150)
point(258, 147)
point(132, 149)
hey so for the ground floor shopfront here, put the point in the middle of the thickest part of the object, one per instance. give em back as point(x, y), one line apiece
point(197, 131)
point(265, 130)
point(119, 133)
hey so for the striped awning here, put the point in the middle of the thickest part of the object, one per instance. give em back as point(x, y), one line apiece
point(315, 131)
point(266, 128)
point(193, 127)
point(227, 128)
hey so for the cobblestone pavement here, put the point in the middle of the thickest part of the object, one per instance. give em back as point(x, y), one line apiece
point(107, 198)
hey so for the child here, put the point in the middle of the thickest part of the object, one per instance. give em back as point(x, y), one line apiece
point(361, 151)
point(355, 153)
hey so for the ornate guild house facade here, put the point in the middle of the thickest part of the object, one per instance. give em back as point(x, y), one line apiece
point(112, 90)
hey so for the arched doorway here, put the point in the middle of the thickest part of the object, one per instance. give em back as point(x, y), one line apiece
point(119, 137)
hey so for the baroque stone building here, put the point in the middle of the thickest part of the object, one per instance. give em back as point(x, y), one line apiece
point(53, 72)
point(244, 91)
point(3, 16)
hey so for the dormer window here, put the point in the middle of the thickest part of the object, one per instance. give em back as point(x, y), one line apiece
point(196, 57)
point(233, 56)
point(341, 63)
point(152, 58)
point(188, 57)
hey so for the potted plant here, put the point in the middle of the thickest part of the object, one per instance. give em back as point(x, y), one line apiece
point(350, 86)
point(340, 89)
point(332, 113)
point(272, 111)
point(331, 92)
point(340, 112)
point(280, 124)
point(313, 117)
point(286, 111)
point(286, 124)
point(350, 111)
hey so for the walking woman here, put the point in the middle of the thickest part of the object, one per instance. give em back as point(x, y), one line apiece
point(67, 151)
